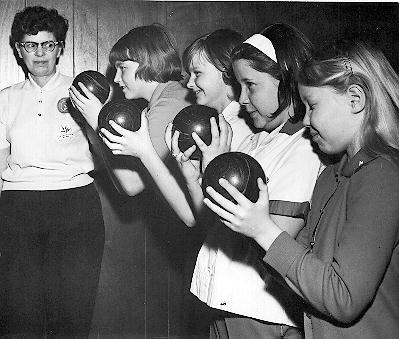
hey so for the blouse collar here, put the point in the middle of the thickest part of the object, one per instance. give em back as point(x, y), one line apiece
point(349, 166)
point(50, 85)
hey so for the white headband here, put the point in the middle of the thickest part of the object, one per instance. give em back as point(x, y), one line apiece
point(263, 44)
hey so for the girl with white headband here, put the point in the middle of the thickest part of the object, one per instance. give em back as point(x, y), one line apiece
point(229, 273)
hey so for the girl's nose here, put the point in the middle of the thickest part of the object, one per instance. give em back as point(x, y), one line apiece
point(306, 119)
point(243, 99)
point(117, 77)
point(190, 82)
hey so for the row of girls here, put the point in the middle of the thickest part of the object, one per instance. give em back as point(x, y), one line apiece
point(315, 256)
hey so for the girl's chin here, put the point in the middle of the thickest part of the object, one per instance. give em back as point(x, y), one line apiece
point(200, 101)
point(128, 95)
point(258, 123)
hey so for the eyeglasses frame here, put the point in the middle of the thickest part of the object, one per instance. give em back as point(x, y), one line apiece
point(56, 43)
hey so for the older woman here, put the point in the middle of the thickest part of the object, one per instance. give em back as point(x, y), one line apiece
point(51, 220)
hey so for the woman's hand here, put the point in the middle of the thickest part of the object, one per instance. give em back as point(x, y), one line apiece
point(190, 168)
point(137, 144)
point(220, 143)
point(245, 217)
point(89, 105)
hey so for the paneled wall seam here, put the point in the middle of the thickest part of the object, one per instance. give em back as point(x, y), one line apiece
point(73, 39)
point(97, 35)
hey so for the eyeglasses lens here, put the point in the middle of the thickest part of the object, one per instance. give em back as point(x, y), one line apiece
point(47, 46)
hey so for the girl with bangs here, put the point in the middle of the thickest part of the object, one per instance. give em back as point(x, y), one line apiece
point(344, 263)
point(208, 62)
point(148, 67)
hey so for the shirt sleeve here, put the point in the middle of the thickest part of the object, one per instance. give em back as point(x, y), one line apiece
point(291, 183)
point(3, 120)
point(159, 115)
point(343, 287)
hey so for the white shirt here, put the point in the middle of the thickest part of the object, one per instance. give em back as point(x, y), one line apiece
point(229, 273)
point(49, 151)
point(241, 130)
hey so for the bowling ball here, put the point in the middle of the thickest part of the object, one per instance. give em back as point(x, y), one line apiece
point(194, 118)
point(95, 83)
point(239, 169)
point(123, 111)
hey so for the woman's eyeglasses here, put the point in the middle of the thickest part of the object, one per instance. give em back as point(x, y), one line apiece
point(47, 46)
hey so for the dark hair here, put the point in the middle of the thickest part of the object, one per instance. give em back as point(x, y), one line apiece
point(349, 62)
point(216, 48)
point(293, 49)
point(33, 20)
point(154, 48)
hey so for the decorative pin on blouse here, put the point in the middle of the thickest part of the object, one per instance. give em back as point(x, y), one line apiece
point(64, 105)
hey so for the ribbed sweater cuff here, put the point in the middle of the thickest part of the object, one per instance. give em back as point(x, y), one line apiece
point(282, 253)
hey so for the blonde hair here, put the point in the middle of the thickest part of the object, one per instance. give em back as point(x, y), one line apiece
point(365, 65)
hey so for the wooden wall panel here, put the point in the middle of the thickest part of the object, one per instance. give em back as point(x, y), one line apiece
point(241, 21)
point(116, 18)
point(375, 21)
point(215, 15)
point(316, 21)
point(10, 72)
point(178, 13)
point(85, 36)
point(110, 33)
point(199, 18)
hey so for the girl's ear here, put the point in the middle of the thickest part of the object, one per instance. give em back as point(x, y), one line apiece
point(357, 98)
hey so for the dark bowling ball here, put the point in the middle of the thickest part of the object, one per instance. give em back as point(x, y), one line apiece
point(239, 169)
point(194, 118)
point(95, 83)
point(123, 111)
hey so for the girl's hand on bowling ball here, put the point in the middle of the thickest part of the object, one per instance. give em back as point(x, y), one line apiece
point(248, 218)
point(221, 141)
point(190, 168)
point(89, 106)
point(137, 144)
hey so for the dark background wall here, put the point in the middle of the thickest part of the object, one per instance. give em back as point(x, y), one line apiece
point(147, 269)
